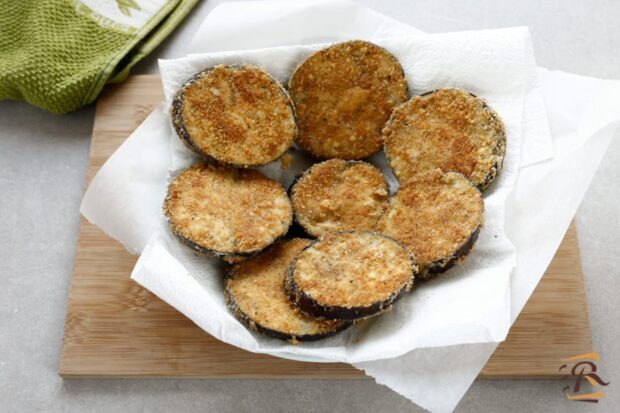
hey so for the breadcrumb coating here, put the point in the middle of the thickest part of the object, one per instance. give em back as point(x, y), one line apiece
point(448, 129)
point(255, 294)
point(434, 214)
point(237, 115)
point(227, 211)
point(337, 195)
point(343, 96)
point(352, 269)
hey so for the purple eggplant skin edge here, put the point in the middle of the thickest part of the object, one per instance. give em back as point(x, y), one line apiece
point(308, 305)
point(246, 320)
point(439, 266)
point(220, 254)
point(501, 147)
point(176, 113)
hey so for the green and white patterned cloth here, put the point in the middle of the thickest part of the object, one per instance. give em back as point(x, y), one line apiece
point(58, 54)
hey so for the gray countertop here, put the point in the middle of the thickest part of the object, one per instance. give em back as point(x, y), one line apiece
point(43, 162)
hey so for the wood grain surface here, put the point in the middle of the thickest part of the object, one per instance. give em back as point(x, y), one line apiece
point(115, 328)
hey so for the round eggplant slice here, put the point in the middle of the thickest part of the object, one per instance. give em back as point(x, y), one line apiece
point(437, 216)
point(255, 294)
point(337, 195)
point(225, 211)
point(237, 115)
point(350, 275)
point(449, 129)
point(343, 96)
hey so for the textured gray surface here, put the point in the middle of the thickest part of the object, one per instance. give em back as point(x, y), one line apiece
point(42, 171)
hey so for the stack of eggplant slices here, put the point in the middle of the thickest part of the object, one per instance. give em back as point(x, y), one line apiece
point(357, 249)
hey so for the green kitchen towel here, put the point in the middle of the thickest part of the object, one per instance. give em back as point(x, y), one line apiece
point(58, 54)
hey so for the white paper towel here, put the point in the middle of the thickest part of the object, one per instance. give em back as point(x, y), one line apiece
point(584, 120)
point(124, 198)
point(471, 304)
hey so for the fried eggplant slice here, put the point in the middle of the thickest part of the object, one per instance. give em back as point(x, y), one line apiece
point(255, 294)
point(350, 275)
point(227, 212)
point(343, 96)
point(237, 115)
point(337, 195)
point(437, 216)
point(449, 129)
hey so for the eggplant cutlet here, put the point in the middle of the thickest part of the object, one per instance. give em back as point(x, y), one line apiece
point(255, 294)
point(350, 275)
point(437, 216)
point(450, 129)
point(237, 115)
point(225, 211)
point(343, 96)
point(337, 195)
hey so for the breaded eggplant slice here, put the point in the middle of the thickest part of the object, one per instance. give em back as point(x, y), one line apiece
point(227, 212)
point(437, 216)
point(255, 294)
point(343, 96)
point(350, 275)
point(337, 195)
point(237, 115)
point(450, 129)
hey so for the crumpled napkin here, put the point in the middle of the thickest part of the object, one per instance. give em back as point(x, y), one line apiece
point(583, 124)
point(470, 305)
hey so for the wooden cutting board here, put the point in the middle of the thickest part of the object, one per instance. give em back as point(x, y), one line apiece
point(115, 328)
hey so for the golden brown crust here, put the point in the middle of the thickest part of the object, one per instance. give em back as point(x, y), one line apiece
point(448, 129)
point(343, 95)
point(434, 215)
point(227, 211)
point(351, 270)
point(337, 195)
point(237, 115)
point(256, 296)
